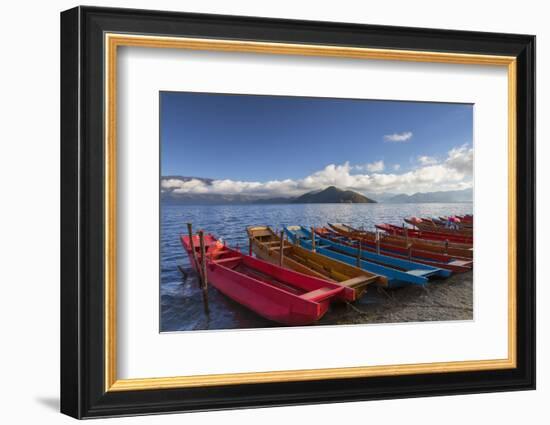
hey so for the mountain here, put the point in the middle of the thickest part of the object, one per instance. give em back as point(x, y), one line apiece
point(465, 195)
point(332, 195)
point(264, 201)
point(328, 195)
point(188, 178)
point(171, 197)
point(169, 194)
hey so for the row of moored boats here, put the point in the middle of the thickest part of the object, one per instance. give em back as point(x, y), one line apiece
point(291, 276)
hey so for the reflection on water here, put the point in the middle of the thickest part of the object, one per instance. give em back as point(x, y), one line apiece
point(181, 299)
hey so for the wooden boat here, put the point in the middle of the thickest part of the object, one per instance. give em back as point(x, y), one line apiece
point(273, 292)
point(422, 234)
point(434, 249)
point(433, 227)
point(466, 218)
point(453, 249)
point(267, 246)
point(397, 276)
point(442, 221)
point(430, 225)
point(405, 264)
point(433, 259)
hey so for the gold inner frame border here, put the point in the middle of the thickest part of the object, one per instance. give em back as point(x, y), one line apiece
point(113, 41)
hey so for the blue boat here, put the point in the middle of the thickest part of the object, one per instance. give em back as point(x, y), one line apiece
point(399, 263)
point(399, 272)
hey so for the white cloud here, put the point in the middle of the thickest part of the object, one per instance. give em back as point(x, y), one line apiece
point(461, 159)
point(179, 186)
point(373, 167)
point(376, 166)
point(427, 160)
point(398, 137)
point(455, 172)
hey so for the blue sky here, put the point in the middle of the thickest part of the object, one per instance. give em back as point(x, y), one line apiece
point(260, 139)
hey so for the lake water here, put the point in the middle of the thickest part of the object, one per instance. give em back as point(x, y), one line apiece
point(181, 300)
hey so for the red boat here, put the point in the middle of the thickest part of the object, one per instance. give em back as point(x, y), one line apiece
point(444, 261)
point(466, 218)
point(456, 250)
point(273, 292)
point(421, 234)
point(462, 224)
point(430, 225)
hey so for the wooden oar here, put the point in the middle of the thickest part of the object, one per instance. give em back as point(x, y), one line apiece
point(195, 259)
point(281, 248)
point(204, 277)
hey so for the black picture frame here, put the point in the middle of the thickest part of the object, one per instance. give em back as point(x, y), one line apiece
point(83, 392)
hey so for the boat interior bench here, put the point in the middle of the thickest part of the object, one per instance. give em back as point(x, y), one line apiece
point(319, 292)
point(262, 233)
point(227, 260)
point(358, 280)
point(276, 248)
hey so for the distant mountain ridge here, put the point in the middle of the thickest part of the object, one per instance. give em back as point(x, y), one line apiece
point(188, 179)
point(332, 195)
point(450, 196)
point(328, 195)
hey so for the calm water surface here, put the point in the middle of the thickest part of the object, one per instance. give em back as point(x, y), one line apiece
point(181, 302)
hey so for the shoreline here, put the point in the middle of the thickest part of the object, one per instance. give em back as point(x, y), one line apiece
point(441, 300)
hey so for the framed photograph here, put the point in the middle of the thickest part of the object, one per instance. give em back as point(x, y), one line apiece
point(261, 212)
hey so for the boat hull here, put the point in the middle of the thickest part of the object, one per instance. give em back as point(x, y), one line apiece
point(273, 292)
point(459, 251)
point(270, 304)
point(396, 278)
point(404, 264)
point(435, 227)
point(427, 235)
point(266, 246)
point(457, 265)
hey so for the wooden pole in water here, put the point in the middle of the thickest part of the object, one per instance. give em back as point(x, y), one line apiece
point(446, 246)
point(313, 238)
point(281, 247)
point(194, 251)
point(204, 276)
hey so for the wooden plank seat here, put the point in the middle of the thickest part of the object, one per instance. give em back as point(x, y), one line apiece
point(277, 248)
point(227, 260)
point(316, 293)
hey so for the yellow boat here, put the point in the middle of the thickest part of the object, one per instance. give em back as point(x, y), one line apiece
point(267, 246)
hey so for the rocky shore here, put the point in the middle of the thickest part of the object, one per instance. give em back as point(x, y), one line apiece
point(440, 300)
